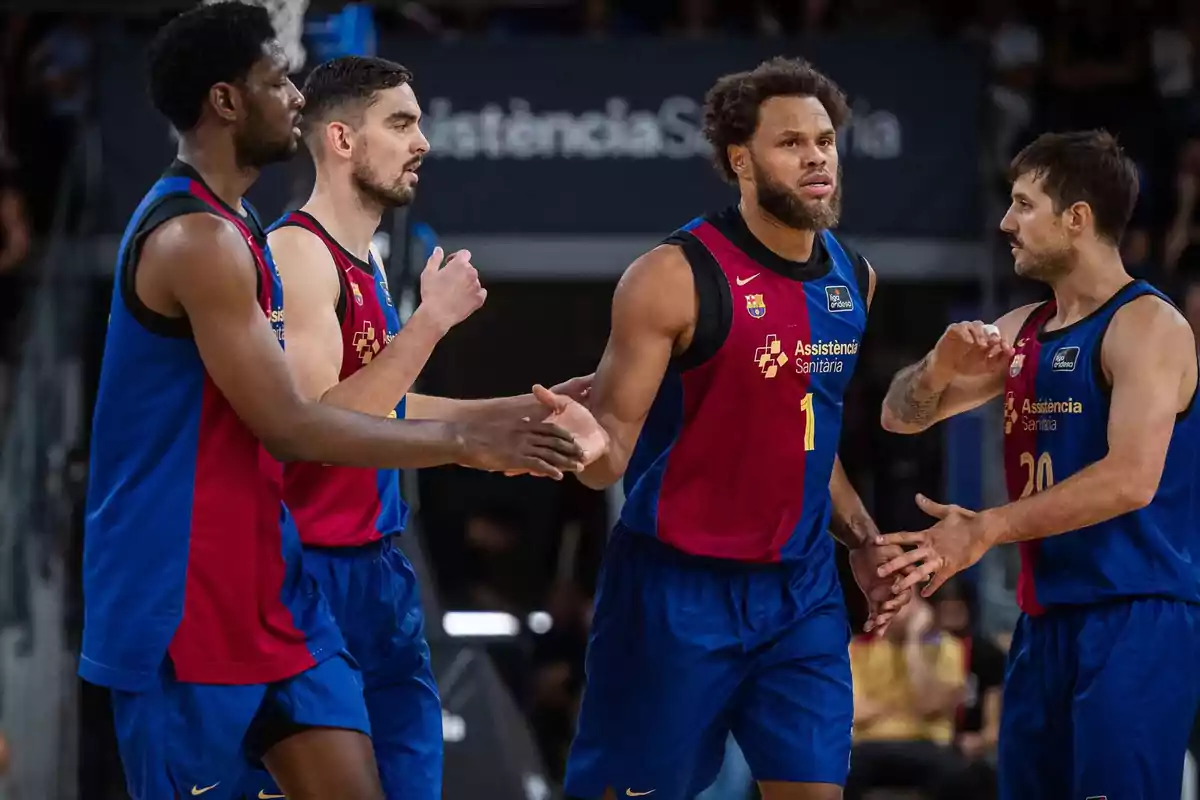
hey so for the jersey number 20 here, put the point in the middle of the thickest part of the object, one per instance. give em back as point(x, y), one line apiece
point(1041, 473)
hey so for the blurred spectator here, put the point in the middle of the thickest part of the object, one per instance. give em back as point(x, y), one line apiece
point(1014, 49)
point(557, 679)
point(978, 728)
point(1175, 52)
point(496, 573)
point(907, 688)
point(1182, 252)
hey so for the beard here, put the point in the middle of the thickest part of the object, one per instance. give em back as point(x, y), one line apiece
point(789, 208)
point(1046, 266)
point(257, 146)
point(384, 193)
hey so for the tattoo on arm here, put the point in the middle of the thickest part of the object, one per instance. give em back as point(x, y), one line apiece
point(910, 398)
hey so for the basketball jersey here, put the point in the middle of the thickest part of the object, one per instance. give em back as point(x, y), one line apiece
point(337, 506)
point(1056, 405)
point(188, 551)
point(735, 457)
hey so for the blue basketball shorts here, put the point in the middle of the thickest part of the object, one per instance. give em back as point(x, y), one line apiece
point(686, 650)
point(373, 594)
point(202, 740)
point(1099, 702)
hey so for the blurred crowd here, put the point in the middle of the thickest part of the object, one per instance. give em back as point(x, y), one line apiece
point(927, 695)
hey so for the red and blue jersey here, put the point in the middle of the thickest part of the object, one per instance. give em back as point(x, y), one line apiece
point(189, 552)
point(1056, 405)
point(735, 457)
point(337, 506)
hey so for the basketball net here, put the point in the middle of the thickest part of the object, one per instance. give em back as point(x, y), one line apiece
point(288, 17)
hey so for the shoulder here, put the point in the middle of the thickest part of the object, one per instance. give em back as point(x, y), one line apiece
point(658, 285)
point(196, 237)
point(294, 243)
point(1148, 328)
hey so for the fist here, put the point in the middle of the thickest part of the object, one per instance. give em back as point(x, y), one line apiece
point(450, 293)
point(971, 348)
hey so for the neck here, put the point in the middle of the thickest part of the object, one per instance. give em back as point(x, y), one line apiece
point(1089, 283)
point(793, 244)
point(349, 217)
point(216, 161)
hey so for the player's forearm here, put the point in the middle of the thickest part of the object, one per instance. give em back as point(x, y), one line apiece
point(378, 387)
point(912, 400)
point(448, 409)
point(850, 523)
point(610, 467)
point(329, 435)
point(1099, 492)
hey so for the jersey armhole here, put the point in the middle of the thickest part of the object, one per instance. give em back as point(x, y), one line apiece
point(166, 209)
point(714, 311)
point(862, 276)
point(340, 306)
point(1103, 382)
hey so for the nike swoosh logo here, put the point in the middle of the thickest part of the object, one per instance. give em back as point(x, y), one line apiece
point(631, 792)
point(197, 790)
point(740, 282)
point(262, 795)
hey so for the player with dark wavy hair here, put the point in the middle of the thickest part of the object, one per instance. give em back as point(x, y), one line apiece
point(719, 608)
point(1101, 446)
point(218, 648)
point(346, 347)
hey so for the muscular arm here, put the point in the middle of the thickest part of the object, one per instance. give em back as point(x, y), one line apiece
point(654, 307)
point(919, 397)
point(1149, 355)
point(200, 265)
point(314, 338)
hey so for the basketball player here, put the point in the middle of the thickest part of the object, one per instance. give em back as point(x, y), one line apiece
point(198, 615)
point(345, 347)
point(719, 608)
point(1100, 456)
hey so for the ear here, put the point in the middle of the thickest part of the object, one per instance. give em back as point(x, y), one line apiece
point(339, 139)
point(1078, 218)
point(226, 101)
point(739, 159)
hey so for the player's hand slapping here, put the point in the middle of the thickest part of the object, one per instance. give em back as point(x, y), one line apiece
point(522, 447)
point(957, 541)
point(883, 600)
point(562, 409)
point(969, 349)
point(450, 293)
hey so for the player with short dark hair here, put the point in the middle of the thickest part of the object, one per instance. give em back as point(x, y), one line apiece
point(346, 348)
point(1100, 455)
point(718, 607)
point(218, 648)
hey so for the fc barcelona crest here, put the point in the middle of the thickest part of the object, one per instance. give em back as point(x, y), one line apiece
point(755, 306)
point(1014, 369)
point(358, 296)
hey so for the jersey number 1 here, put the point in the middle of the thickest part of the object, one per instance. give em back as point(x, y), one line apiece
point(1041, 473)
point(810, 422)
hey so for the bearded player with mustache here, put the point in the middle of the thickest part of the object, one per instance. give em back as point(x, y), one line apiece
point(346, 347)
point(719, 608)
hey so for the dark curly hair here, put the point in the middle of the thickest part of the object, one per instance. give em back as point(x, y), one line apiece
point(732, 104)
point(351, 80)
point(1084, 167)
point(212, 44)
